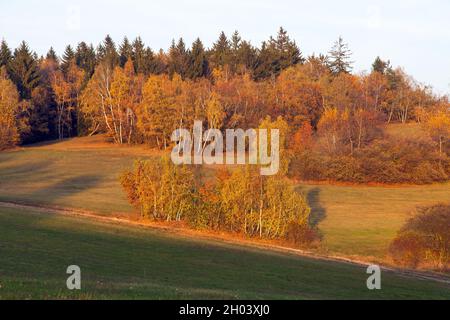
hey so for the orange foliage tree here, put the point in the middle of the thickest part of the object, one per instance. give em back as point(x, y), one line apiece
point(110, 99)
point(9, 109)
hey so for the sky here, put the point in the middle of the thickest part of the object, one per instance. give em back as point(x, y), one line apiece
point(413, 34)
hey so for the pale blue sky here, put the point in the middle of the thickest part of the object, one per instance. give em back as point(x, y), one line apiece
point(414, 34)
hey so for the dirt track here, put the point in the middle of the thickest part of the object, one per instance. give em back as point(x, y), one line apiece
point(222, 238)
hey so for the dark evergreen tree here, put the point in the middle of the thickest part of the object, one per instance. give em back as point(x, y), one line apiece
point(149, 65)
point(51, 55)
point(100, 52)
point(86, 59)
point(107, 52)
point(5, 55)
point(287, 50)
point(41, 108)
point(125, 51)
point(160, 63)
point(178, 59)
point(264, 67)
point(339, 57)
point(143, 58)
point(247, 56)
point(198, 64)
point(380, 65)
point(235, 41)
point(276, 55)
point(220, 54)
point(67, 58)
point(235, 46)
point(394, 77)
point(40, 114)
point(139, 55)
point(24, 70)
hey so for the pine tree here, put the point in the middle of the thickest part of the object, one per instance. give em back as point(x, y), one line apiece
point(86, 59)
point(51, 55)
point(380, 65)
point(125, 51)
point(5, 55)
point(235, 46)
point(198, 64)
point(288, 51)
point(178, 58)
point(235, 41)
point(40, 114)
point(107, 53)
point(172, 58)
point(24, 70)
point(263, 68)
point(143, 58)
point(220, 55)
point(139, 55)
point(340, 56)
point(149, 64)
point(67, 58)
point(247, 56)
point(276, 55)
point(160, 63)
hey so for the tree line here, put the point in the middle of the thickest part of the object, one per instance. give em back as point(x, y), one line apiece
point(335, 118)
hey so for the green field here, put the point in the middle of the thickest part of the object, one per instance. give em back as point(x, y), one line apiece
point(362, 221)
point(135, 263)
point(83, 174)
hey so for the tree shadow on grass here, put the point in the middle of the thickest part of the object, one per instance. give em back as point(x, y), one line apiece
point(29, 167)
point(14, 174)
point(66, 187)
point(318, 212)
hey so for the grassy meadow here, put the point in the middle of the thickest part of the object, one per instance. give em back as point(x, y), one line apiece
point(124, 262)
point(362, 220)
point(82, 173)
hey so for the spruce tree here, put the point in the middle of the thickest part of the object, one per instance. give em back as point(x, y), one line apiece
point(198, 64)
point(235, 41)
point(40, 114)
point(5, 55)
point(159, 64)
point(264, 62)
point(67, 58)
point(85, 58)
point(247, 56)
point(380, 65)
point(24, 70)
point(149, 62)
point(220, 54)
point(139, 55)
point(125, 51)
point(276, 55)
point(340, 56)
point(287, 50)
point(143, 58)
point(108, 53)
point(51, 55)
point(178, 58)
point(235, 45)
